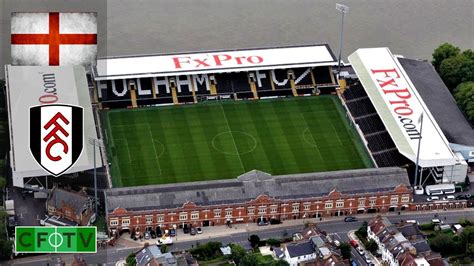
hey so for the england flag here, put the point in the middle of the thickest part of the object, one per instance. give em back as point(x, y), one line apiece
point(53, 38)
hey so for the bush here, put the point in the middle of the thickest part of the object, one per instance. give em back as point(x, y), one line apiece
point(130, 260)
point(427, 227)
point(273, 242)
point(254, 241)
point(464, 95)
point(208, 251)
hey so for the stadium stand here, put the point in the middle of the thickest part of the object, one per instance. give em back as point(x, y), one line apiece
point(380, 143)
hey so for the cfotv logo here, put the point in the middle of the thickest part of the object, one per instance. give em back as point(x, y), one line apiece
point(398, 98)
point(56, 136)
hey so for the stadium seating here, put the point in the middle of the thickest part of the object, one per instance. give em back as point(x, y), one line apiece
point(379, 141)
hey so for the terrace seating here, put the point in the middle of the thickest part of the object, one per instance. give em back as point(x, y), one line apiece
point(379, 141)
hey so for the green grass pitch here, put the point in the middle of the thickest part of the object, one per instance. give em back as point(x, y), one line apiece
point(222, 140)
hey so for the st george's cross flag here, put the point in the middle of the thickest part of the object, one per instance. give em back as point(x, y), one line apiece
point(53, 38)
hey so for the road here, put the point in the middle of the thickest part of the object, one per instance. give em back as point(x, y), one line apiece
point(412, 28)
point(338, 228)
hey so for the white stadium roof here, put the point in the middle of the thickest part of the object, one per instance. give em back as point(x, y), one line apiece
point(24, 89)
point(400, 106)
point(213, 62)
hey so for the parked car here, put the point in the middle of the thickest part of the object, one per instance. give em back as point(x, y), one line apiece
point(360, 251)
point(432, 198)
point(350, 219)
point(153, 234)
point(462, 197)
point(448, 198)
point(172, 232)
point(192, 231)
point(159, 233)
point(133, 236)
point(436, 221)
point(262, 223)
point(199, 230)
point(354, 243)
point(186, 230)
point(337, 243)
point(147, 235)
point(275, 221)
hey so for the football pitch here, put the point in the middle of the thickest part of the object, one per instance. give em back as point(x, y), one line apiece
point(222, 140)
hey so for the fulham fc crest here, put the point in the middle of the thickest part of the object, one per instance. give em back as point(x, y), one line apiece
point(56, 136)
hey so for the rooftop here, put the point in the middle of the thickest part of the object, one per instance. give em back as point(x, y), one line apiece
point(253, 184)
point(439, 100)
point(300, 249)
point(76, 200)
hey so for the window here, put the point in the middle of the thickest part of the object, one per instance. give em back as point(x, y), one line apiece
point(328, 205)
point(161, 218)
point(394, 200)
point(273, 209)
point(262, 210)
point(306, 206)
point(372, 201)
point(296, 208)
point(217, 213)
point(113, 222)
point(340, 204)
point(149, 219)
point(361, 202)
point(194, 215)
point(251, 210)
point(125, 222)
point(183, 216)
point(405, 198)
point(471, 154)
point(228, 213)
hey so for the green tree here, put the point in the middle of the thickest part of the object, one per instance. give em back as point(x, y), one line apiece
point(444, 51)
point(345, 250)
point(5, 244)
point(130, 260)
point(250, 259)
point(457, 69)
point(3, 181)
point(164, 248)
point(371, 246)
point(254, 240)
point(238, 252)
point(280, 263)
point(442, 243)
point(362, 231)
point(208, 251)
point(467, 239)
point(273, 242)
point(464, 95)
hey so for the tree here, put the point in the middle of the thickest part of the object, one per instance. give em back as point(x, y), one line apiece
point(164, 248)
point(444, 51)
point(345, 251)
point(371, 246)
point(467, 239)
point(207, 251)
point(254, 240)
point(362, 231)
point(238, 252)
point(442, 243)
point(130, 260)
point(3, 181)
point(280, 263)
point(273, 242)
point(5, 244)
point(250, 259)
point(464, 95)
point(457, 69)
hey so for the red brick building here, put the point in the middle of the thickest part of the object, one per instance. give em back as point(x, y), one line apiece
point(257, 195)
point(71, 205)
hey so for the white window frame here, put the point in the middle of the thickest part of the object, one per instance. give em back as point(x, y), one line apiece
point(394, 200)
point(217, 213)
point(328, 205)
point(183, 216)
point(149, 219)
point(194, 215)
point(114, 222)
point(126, 222)
point(340, 204)
point(161, 218)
